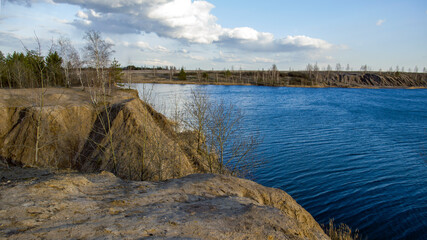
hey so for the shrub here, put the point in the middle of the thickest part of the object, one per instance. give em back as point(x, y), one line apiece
point(205, 76)
point(182, 75)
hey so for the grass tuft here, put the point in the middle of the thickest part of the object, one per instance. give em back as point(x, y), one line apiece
point(341, 231)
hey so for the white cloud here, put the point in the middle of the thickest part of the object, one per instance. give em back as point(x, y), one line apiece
point(243, 33)
point(191, 21)
point(158, 62)
point(380, 22)
point(197, 58)
point(95, 14)
point(82, 15)
point(144, 46)
point(161, 49)
point(187, 20)
point(63, 21)
point(262, 60)
point(304, 41)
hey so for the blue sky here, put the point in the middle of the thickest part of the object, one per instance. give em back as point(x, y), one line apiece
point(230, 34)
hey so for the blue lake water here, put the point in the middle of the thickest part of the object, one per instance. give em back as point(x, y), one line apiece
point(356, 155)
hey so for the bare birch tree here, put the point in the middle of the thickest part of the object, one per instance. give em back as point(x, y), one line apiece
point(234, 149)
point(98, 54)
point(197, 110)
point(220, 136)
point(69, 55)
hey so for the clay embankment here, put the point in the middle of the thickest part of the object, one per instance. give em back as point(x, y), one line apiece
point(73, 136)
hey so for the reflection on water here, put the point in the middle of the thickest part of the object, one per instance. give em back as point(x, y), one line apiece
point(352, 154)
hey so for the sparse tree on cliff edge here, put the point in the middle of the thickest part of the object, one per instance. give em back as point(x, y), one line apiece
point(197, 109)
point(115, 73)
point(220, 136)
point(98, 53)
point(235, 152)
point(69, 57)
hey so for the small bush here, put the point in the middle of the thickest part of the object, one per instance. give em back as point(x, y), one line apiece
point(205, 75)
point(182, 75)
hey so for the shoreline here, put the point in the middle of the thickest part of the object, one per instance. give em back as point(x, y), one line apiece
point(180, 82)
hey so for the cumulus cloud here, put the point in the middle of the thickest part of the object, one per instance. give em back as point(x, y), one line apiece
point(250, 39)
point(144, 46)
point(380, 22)
point(187, 20)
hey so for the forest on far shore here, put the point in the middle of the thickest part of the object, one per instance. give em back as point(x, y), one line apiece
point(94, 65)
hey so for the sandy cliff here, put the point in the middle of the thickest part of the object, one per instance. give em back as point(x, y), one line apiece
point(72, 135)
point(38, 205)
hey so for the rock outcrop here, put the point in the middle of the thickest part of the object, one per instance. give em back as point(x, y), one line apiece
point(69, 131)
point(36, 204)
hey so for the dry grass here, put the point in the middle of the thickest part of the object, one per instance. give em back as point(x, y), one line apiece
point(341, 231)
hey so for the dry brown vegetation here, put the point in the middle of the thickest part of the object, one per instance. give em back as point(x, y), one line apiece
point(341, 232)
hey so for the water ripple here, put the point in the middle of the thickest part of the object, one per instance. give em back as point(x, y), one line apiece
point(356, 155)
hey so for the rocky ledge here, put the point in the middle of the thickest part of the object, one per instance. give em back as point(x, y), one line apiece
point(37, 204)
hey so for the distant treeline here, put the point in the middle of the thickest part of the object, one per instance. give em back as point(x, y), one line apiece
point(133, 67)
point(274, 77)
